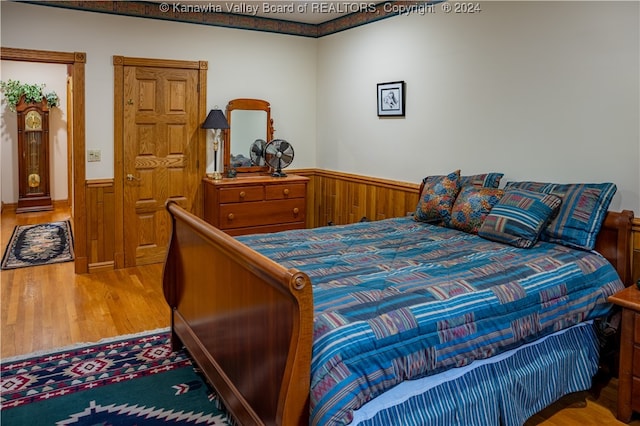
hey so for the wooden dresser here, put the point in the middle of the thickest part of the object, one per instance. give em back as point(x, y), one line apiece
point(629, 371)
point(255, 204)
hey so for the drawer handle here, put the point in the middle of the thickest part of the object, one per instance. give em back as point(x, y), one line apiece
point(285, 191)
point(296, 211)
point(230, 216)
point(242, 194)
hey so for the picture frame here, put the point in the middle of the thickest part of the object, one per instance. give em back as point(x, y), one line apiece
point(391, 99)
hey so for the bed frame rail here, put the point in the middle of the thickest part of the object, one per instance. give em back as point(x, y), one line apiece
point(246, 321)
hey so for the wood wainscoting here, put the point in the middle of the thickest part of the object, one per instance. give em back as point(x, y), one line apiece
point(332, 196)
point(101, 220)
point(335, 197)
point(343, 198)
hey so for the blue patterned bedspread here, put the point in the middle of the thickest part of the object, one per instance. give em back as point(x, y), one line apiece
point(397, 299)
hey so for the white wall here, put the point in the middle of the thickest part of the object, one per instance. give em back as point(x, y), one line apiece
point(543, 91)
point(242, 64)
point(54, 76)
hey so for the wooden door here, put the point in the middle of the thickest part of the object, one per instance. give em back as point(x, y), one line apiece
point(160, 155)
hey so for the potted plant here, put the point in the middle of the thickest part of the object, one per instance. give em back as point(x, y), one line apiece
point(33, 93)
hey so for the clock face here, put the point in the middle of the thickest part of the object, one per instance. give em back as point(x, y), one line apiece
point(34, 180)
point(33, 121)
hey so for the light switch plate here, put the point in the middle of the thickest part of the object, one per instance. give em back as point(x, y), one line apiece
point(93, 155)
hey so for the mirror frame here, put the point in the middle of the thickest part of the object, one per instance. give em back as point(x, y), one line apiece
point(253, 105)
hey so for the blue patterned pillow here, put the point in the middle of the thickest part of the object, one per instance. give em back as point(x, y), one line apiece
point(487, 180)
point(580, 217)
point(437, 198)
point(472, 206)
point(519, 217)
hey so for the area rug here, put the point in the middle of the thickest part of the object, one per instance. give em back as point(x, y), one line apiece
point(41, 244)
point(135, 380)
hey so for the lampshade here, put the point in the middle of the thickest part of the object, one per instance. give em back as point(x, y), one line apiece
point(215, 120)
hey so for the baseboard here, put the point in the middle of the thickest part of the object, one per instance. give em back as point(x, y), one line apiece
point(101, 266)
point(11, 207)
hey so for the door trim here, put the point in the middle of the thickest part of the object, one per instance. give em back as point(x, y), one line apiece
point(75, 62)
point(119, 62)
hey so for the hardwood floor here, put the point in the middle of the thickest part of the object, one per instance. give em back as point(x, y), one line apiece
point(47, 307)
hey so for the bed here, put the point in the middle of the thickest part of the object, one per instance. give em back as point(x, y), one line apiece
point(421, 301)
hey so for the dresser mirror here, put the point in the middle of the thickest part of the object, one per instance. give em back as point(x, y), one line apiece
point(249, 120)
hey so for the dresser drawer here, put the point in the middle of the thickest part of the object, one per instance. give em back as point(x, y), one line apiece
point(239, 195)
point(260, 213)
point(280, 192)
point(265, 228)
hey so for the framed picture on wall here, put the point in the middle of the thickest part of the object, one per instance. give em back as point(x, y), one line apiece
point(391, 99)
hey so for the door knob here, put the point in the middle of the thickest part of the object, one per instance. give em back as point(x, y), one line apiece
point(131, 177)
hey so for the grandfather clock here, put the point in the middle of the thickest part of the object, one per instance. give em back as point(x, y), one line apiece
point(33, 157)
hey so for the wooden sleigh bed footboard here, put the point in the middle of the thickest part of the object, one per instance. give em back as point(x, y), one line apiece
point(248, 322)
point(245, 320)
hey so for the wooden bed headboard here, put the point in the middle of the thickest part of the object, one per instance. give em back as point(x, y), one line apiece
point(614, 242)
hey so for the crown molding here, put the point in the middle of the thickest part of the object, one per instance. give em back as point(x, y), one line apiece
point(153, 10)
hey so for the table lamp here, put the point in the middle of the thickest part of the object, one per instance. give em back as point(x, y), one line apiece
point(215, 121)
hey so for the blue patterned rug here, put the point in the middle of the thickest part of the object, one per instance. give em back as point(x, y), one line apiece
point(136, 380)
point(42, 244)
